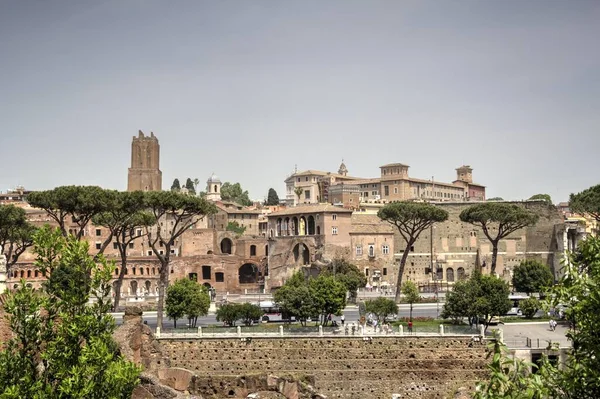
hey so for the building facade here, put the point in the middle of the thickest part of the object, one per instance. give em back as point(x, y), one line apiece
point(144, 173)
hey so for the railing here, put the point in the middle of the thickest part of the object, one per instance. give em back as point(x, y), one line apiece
point(320, 331)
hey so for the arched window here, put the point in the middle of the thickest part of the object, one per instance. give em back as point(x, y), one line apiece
point(28, 273)
point(133, 286)
point(450, 274)
point(252, 250)
point(301, 254)
point(460, 273)
point(148, 286)
point(248, 273)
point(226, 245)
point(311, 226)
point(267, 250)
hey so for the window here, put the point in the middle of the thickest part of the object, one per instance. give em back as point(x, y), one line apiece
point(252, 250)
point(306, 178)
point(395, 190)
point(412, 248)
point(149, 253)
point(386, 190)
point(385, 271)
point(98, 245)
point(371, 251)
point(385, 249)
point(298, 179)
point(98, 232)
point(130, 245)
point(138, 232)
point(366, 272)
point(359, 250)
point(307, 194)
point(334, 230)
point(206, 273)
point(334, 217)
point(219, 277)
point(115, 245)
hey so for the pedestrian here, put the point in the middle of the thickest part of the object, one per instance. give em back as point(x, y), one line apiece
point(554, 323)
point(551, 323)
point(410, 327)
point(343, 318)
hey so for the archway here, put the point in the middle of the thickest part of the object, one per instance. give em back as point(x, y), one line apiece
point(226, 245)
point(450, 275)
point(294, 227)
point(286, 227)
point(252, 250)
point(278, 227)
point(318, 230)
point(207, 285)
point(133, 287)
point(148, 287)
point(302, 226)
point(301, 254)
point(311, 225)
point(460, 273)
point(248, 273)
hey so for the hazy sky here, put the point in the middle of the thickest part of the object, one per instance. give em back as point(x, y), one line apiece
point(249, 89)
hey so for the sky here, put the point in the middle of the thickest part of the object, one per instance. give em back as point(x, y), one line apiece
point(251, 90)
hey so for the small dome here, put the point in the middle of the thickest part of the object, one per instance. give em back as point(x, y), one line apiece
point(213, 179)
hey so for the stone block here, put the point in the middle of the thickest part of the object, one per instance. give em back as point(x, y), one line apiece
point(176, 378)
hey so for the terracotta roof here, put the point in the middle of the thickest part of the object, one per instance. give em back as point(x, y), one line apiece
point(359, 181)
point(236, 210)
point(437, 183)
point(317, 208)
point(370, 224)
point(311, 172)
point(393, 164)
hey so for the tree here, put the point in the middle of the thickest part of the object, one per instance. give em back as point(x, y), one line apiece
point(176, 186)
point(411, 219)
point(248, 313)
point(16, 233)
point(495, 199)
point(196, 182)
point(348, 274)
point(76, 204)
point(501, 218)
point(125, 218)
point(62, 345)
point(382, 308)
point(328, 295)
point(531, 276)
point(189, 185)
point(529, 307)
point(541, 197)
point(411, 295)
point(186, 298)
point(298, 191)
point(228, 313)
point(482, 296)
point(272, 198)
point(587, 202)
point(294, 298)
point(179, 212)
point(235, 227)
point(234, 192)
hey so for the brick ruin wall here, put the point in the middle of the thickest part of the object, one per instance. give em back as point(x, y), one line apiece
point(341, 367)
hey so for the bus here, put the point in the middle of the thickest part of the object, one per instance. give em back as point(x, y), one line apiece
point(272, 312)
point(515, 300)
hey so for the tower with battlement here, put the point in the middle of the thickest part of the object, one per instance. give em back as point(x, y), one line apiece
point(144, 173)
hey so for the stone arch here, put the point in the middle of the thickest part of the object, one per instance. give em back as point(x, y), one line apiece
point(133, 287)
point(286, 227)
point(310, 227)
point(318, 230)
point(277, 228)
point(252, 250)
point(226, 246)
point(271, 233)
point(216, 189)
point(22, 273)
point(294, 226)
point(28, 273)
point(148, 271)
point(209, 252)
point(460, 273)
point(207, 285)
point(450, 275)
point(301, 254)
point(147, 287)
point(248, 273)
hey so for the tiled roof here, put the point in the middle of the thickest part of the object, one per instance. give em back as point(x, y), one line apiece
point(370, 224)
point(359, 181)
point(389, 165)
point(437, 183)
point(304, 209)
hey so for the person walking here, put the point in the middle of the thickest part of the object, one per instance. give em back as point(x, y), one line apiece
point(343, 318)
point(410, 325)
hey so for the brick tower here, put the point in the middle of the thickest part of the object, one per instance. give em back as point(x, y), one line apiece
point(144, 173)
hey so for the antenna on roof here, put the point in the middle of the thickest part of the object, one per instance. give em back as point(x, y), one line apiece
point(296, 168)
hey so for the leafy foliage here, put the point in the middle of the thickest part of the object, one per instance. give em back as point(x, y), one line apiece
point(78, 204)
point(235, 193)
point(235, 227)
point(531, 276)
point(481, 296)
point(186, 298)
point(411, 219)
point(529, 307)
point(176, 186)
point(587, 202)
point(500, 217)
point(298, 191)
point(63, 345)
point(189, 185)
point(411, 294)
point(382, 307)
point(495, 199)
point(272, 197)
point(295, 299)
point(16, 233)
point(328, 296)
point(125, 217)
point(248, 313)
point(542, 197)
point(348, 274)
point(228, 313)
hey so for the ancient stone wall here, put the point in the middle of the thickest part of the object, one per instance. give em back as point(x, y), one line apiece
point(341, 367)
